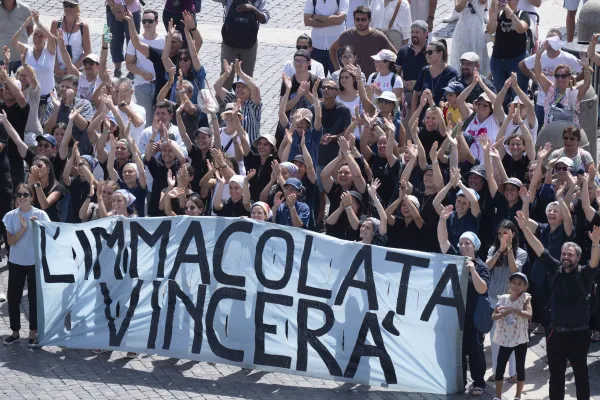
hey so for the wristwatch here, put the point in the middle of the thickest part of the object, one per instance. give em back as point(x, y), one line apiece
point(37, 185)
point(122, 104)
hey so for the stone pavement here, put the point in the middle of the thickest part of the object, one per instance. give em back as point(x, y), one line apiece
point(54, 373)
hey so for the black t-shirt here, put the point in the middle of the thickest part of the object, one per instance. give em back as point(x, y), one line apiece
point(263, 173)
point(582, 227)
point(6, 186)
point(509, 43)
point(159, 173)
point(54, 210)
point(388, 177)
point(436, 85)
point(342, 229)
point(402, 236)
point(200, 166)
point(428, 138)
point(504, 211)
point(516, 169)
point(57, 163)
point(17, 117)
point(79, 192)
point(159, 70)
point(296, 85)
point(231, 209)
point(335, 121)
point(411, 63)
point(430, 219)
point(119, 168)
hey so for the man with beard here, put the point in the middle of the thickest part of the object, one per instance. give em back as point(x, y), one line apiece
point(364, 40)
point(468, 62)
point(411, 58)
point(569, 311)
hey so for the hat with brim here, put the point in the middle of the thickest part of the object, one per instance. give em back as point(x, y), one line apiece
point(229, 109)
point(76, 2)
point(356, 195)
point(205, 130)
point(510, 181)
point(238, 80)
point(294, 182)
point(270, 138)
point(48, 138)
point(300, 159)
point(478, 170)
point(483, 96)
point(519, 275)
point(387, 96)
point(565, 160)
point(472, 191)
point(92, 57)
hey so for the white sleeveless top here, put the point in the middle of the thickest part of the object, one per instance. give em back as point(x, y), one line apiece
point(85, 89)
point(44, 69)
point(75, 40)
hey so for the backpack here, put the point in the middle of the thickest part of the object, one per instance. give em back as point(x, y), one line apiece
point(315, 5)
point(482, 318)
point(240, 29)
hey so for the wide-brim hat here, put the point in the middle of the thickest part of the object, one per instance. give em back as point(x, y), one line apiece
point(270, 138)
point(510, 181)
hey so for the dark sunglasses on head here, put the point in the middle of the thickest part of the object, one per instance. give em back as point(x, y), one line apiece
point(302, 47)
point(430, 52)
point(558, 76)
point(565, 138)
point(23, 194)
point(561, 168)
point(148, 21)
point(69, 5)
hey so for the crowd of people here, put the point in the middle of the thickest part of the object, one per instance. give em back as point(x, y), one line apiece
point(385, 137)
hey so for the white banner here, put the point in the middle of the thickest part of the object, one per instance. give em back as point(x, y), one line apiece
point(256, 295)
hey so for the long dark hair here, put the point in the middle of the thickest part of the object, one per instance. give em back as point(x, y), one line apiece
point(51, 178)
point(507, 224)
point(354, 83)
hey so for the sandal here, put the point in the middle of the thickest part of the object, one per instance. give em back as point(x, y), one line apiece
point(596, 336)
point(511, 379)
point(491, 378)
point(99, 351)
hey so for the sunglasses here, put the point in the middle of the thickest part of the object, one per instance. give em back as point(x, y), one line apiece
point(563, 76)
point(69, 5)
point(88, 62)
point(565, 138)
point(329, 88)
point(303, 47)
point(430, 52)
point(44, 145)
point(191, 208)
point(23, 195)
point(148, 21)
point(561, 168)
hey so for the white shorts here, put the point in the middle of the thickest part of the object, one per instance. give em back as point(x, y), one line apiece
point(572, 5)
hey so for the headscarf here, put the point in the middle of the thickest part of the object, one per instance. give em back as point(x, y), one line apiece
point(292, 168)
point(239, 179)
point(265, 208)
point(92, 162)
point(129, 198)
point(473, 238)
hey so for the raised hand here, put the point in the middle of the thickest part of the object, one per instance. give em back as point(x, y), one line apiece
point(278, 200)
point(521, 220)
point(595, 235)
point(584, 60)
point(455, 176)
point(227, 68)
point(525, 195)
point(433, 151)
point(372, 188)
point(170, 179)
point(447, 212)
point(250, 174)
point(346, 199)
point(287, 82)
point(188, 21)
point(290, 200)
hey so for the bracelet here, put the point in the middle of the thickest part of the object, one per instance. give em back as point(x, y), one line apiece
point(509, 248)
point(595, 246)
point(348, 153)
point(192, 30)
point(151, 140)
point(347, 207)
point(435, 162)
point(104, 48)
point(90, 197)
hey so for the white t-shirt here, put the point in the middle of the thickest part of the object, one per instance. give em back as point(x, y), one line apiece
point(323, 38)
point(44, 68)
point(135, 132)
point(86, 89)
point(351, 106)
point(230, 152)
point(549, 66)
point(385, 82)
point(141, 61)
point(477, 128)
point(316, 68)
point(512, 128)
point(21, 252)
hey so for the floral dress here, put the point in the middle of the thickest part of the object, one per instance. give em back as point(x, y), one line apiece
point(511, 330)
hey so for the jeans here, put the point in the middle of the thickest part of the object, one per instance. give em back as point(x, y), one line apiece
point(572, 346)
point(501, 70)
point(539, 115)
point(472, 346)
point(520, 351)
point(145, 96)
point(322, 56)
point(120, 34)
point(16, 283)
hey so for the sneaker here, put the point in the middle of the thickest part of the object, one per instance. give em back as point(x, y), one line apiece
point(451, 17)
point(99, 351)
point(33, 343)
point(11, 340)
point(117, 73)
point(130, 76)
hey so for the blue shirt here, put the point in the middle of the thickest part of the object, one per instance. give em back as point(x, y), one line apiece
point(313, 138)
point(457, 226)
point(411, 63)
point(284, 216)
point(197, 79)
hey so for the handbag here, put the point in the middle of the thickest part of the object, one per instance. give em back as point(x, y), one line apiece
point(482, 318)
point(394, 36)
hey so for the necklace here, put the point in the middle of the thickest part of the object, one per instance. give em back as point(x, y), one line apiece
point(433, 88)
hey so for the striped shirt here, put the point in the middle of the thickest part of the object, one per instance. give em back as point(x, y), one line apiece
point(251, 112)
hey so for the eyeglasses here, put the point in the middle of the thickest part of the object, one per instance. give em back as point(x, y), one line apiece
point(561, 168)
point(365, 19)
point(88, 62)
point(148, 21)
point(329, 88)
point(566, 138)
point(430, 52)
point(563, 76)
point(302, 47)
point(69, 5)
point(23, 195)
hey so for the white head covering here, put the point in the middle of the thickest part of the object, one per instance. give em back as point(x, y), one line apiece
point(239, 179)
point(292, 168)
point(129, 198)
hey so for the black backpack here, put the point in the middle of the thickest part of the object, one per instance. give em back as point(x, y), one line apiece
point(240, 29)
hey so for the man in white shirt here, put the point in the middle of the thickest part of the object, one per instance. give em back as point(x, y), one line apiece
point(129, 111)
point(327, 19)
point(304, 42)
point(551, 58)
point(145, 76)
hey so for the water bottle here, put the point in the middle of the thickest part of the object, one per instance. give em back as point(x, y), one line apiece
point(107, 35)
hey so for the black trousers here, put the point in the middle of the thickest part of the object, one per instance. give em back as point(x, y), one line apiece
point(17, 274)
point(571, 346)
point(472, 346)
point(503, 357)
point(5, 207)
